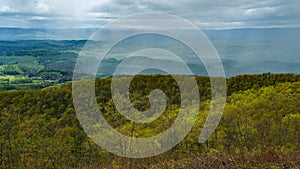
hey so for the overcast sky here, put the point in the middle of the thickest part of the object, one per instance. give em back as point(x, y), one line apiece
point(207, 14)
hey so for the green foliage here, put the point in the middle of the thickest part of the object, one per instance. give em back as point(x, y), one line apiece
point(39, 128)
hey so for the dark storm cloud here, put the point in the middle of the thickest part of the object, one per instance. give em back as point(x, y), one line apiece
point(218, 14)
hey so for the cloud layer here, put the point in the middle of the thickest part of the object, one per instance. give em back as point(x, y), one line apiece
point(218, 14)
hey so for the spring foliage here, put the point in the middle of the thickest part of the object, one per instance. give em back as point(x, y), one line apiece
point(39, 128)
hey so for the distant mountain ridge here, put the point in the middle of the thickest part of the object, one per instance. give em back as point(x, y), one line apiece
point(85, 33)
point(45, 34)
point(242, 51)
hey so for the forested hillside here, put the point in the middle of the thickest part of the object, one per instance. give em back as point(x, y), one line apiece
point(36, 64)
point(259, 127)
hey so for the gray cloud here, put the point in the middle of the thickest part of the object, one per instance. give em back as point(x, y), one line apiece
point(218, 14)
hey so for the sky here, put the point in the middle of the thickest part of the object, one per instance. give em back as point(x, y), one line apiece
point(207, 14)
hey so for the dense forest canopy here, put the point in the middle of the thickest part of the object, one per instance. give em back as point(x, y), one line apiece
point(40, 129)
